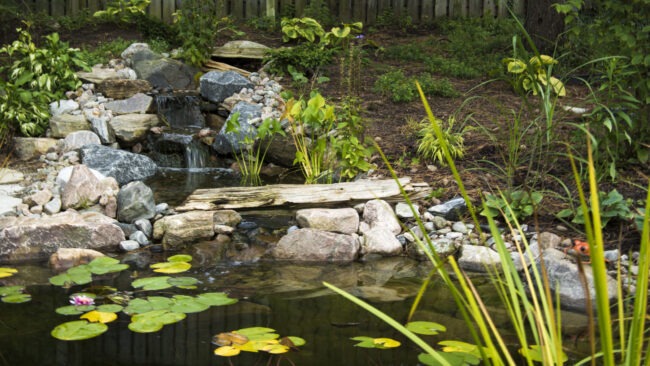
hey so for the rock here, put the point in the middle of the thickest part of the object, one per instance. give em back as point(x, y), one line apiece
point(63, 106)
point(39, 198)
point(135, 201)
point(312, 245)
point(138, 103)
point(403, 210)
point(476, 258)
point(216, 86)
point(186, 228)
point(548, 240)
point(65, 258)
point(28, 238)
point(122, 165)
point(82, 190)
point(132, 128)
point(140, 238)
point(281, 151)
point(65, 124)
point(144, 226)
point(162, 72)
point(133, 48)
point(231, 142)
point(460, 227)
point(99, 124)
point(450, 210)
point(63, 177)
point(564, 277)
point(444, 247)
point(342, 220)
point(27, 148)
point(378, 213)
point(227, 217)
point(78, 139)
point(382, 241)
point(9, 176)
point(123, 88)
point(8, 205)
point(129, 245)
point(54, 206)
point(98, 75)
point(241, 50)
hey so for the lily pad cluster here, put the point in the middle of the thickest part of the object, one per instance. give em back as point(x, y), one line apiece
point(254, 339)
point(148, 314)
point(14, 294)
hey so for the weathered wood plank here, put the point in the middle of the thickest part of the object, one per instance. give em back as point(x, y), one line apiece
point(237, 9)
point(456, 8)
point(57, 8)
point(299, 5)
point(427, 11)
point(345, 11)
point(359, 10)
point(252, 9)
point(371, 12)
point(398, 9)
point(155, 9)
point(519, 7)
point(73, 7)
point(295, 194)
point(168, 8)
point(474, 8)
point(441, 8)
point(489, 8)
point(502, 10)
point(413, 10)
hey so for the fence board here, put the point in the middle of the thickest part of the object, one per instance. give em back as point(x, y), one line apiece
point(519, 7)
point(252, 9)
point(168, 8)
point(155, 9)
point(412, 10)
point(398, 8)
point(57, 8)
point(489, 8)
point(456, 8)
point(427, 11)
point(371, 12)
point(345, 10)
point(502, 9)
point(73, 7)
point(441, 8)
point(42, 6)
point(359, 10)
point(474, 8)
point(94, 5)
point(299, 6)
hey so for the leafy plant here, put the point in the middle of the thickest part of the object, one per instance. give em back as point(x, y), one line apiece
point(513, 205)
point(301, 28)
point(35, 77)
point(14, 294)
point(534, 75)
point(254, 339)
point(612, 206)
point(430, 147)
point(400, 88)
point(123, 10)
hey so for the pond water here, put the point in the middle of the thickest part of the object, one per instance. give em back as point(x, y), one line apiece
point(289, 298)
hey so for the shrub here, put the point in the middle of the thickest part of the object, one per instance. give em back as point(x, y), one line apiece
point(400, 88)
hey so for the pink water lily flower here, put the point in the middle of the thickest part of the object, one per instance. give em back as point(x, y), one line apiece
point(79, 300)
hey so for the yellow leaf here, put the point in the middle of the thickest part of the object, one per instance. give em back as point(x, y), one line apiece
point(386, 342)
point(275, 349)
point(246, 347)
point(7, 272)
point(226, 351)
point(99, 317)
point(558, 86)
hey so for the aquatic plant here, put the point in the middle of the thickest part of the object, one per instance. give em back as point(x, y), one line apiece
point(254, 339)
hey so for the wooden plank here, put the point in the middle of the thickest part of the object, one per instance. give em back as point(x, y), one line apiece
point(252, 9)
point(398, 8)
point(371, 12)
point(220, 66)
point(502, 9)
point(42, 6)
point(428, 11)
point(299, 5)
point(441, 8)
point(281, 195)
point(94, 5)
point(519, 7)
point(155, 9)
point(359, 11)
point(489, 8)
point(269, 7)
point(237, 10)
point(57, 8)
point(284, 6)
point(413, 10)
point(73, 7)
point(168, 8)
point(345, 11)
point(474, 8)
point(455, 8)
point(382, 7)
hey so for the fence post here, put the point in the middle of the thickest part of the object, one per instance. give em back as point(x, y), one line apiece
point(270, 9)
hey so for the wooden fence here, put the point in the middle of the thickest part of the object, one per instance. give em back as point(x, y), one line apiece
point(367, 11)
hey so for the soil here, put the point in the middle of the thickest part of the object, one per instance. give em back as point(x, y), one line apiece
point(387, 125)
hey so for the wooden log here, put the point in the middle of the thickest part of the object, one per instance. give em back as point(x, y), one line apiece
point(220, 66)
point(298, 195)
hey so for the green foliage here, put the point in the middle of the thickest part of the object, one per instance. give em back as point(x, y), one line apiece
point(104, 52)
point(14, 294)
point(513, 205)
point(352, 150)
point(35, 77)
point(400, 88)
point(535, 74)
point(78, 330)
point(82, 274)
point(430, 147)
point(320, 11)
point(378, 343)
point(306, 59)
point(612, 206)
point(301, 29)
point(123, 10)
point(254, 339)
point(452, 67)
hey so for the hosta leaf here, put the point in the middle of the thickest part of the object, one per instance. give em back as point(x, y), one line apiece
point(425, 328)
point(95, 316)
point(78, 330)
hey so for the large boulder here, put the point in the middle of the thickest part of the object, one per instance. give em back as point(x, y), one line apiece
point(82, 189)
point(132, 128)
point(162, 72)
point(378, 213)
point(135, 201)
point(312, 245)
point(177, 231)
point(216, 86)
point(232, 142)
point(65, 124)
point(341, 220)
point(36, 238)
point(122, 165)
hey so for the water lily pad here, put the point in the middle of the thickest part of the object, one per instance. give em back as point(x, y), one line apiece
point(190, 305)
point(110, 308)
point(95, 316)
point(11, 290)
point(296, 341)
point(79, 275)
point(16, 298)
point(171, 267)
point(137, 306)
point(153, 321)
point(227, 351)
point(180, 258)
point(183, 282)
point(152, 283)
point(77, 330)
point(215, 299)
point(74, 310)
point(379, 343)
point(160, 303)
point(103, 265)
point(146, 326)
point(425, 328)
point(275, 349)
point(6, 272)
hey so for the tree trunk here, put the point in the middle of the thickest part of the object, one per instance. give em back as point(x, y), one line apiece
point(543, 24)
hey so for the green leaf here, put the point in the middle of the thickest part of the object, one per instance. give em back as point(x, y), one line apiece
point(16, 298)
point(425, 328)
point(182, 281)
point(78, 330)
point(215, 299)
point(534, 353)
point(153, 321)
point(74, 310)
point(109, 308)
point(103, 265)
point(152, 283)
point(138, 306)
point(171, 267)
point(160, 302)
point(189, 305)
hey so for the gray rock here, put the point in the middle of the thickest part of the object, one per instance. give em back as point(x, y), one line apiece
point(382, 241)
point(65, 124)
point(133, 48)
point(564, 278)
point(99, 124)
point(54, 206)
point(8, 205)
point(227, 217)
point(450, 210)
point(341, 220)
point(132, 128)
point(476, 258)
point(378, 213)
point(29, 238)
point(162, 72)
point(177, 231)
point(124, 88)
point(144, 226)
point(27, 148)
point(63, 106)
point(129, 245)
point(78, 139)
point(121, 165)
point(135, 201)
point(97, 75)
point(548, 240)
point(64, 174)
point(38, 198)
point(460, 227)
point(139, 103)
point(444, 247)
point(216, 86)
point(140, 238)
point(82, 189)
point(8, 176)
point(312, 245)
point(403, 210)
point(231, 142)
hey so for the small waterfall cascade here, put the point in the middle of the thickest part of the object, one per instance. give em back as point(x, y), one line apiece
point(180, 111)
